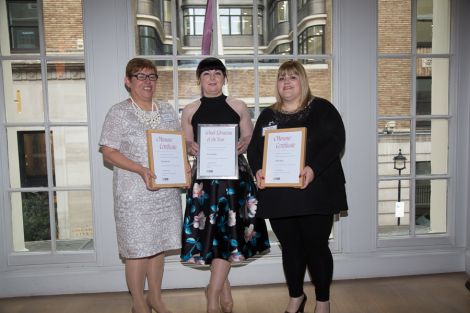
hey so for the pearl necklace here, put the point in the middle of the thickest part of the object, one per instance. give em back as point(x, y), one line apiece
point(150, 118)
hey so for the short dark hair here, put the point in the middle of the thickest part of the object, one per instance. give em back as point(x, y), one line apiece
point(137, 64)
point(210, 64)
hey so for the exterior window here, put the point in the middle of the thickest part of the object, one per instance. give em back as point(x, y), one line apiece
point(148, 40)
point(236, 21)
point(167, 10)
point(311, 40)
point(301, 3)
point(194, 21)
point(32, 158)
point(260, 22)
point(284, 48)
point(413, 131)
point(282, 11)
point(150, 43)
point(424, 24)
point(23, 26)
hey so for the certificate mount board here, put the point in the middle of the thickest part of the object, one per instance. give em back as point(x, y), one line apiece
point(284, 157)
point(217, 157)
point(167, 158)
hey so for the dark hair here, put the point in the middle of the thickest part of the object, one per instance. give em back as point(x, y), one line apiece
point(137, 64)
point(210, 64)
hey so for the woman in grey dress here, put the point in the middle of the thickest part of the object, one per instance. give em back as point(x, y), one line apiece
point(148, 221)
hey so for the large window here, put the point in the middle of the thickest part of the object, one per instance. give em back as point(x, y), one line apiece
point(413, 118)
point(45, 122)
point(252, 60)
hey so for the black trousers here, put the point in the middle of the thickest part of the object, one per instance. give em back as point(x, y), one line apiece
point(304, 244)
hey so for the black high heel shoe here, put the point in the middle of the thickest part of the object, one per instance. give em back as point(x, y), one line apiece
point(301, 306)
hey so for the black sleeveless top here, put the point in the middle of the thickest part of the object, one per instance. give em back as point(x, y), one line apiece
point(214, 111)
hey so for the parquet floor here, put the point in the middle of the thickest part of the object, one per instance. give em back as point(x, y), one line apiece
point(441, 293)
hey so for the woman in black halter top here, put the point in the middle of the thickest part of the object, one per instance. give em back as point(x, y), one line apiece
point(220, 224)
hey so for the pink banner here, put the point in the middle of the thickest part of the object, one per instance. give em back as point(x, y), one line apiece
point(207, 32)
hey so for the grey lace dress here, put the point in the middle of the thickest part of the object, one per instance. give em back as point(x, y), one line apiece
point(147, 222)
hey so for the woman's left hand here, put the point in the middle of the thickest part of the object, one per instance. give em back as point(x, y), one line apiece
point(148, 177)
point(307, 176)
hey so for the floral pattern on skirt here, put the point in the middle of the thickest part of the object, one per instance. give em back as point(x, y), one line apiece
point(220, 220)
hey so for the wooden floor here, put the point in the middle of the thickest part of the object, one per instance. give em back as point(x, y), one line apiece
point(442, 293)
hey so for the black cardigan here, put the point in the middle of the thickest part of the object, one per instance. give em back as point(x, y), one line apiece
point(326, 194)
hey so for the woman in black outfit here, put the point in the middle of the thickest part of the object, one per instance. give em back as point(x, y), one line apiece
point(302, 218)
point(220, 223)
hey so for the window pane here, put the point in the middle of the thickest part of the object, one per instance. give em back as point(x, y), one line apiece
point(63, 29)
point(431, 206)
point(393, 208)
point(225, 25)
point(23, 91)
point(167, 10)
point(188, 29)
point(432, 145)
point(433, 26)
point(247, 25)
point(235, 25)
point(282, 11)
point(66, 91)
point(71, 156)
point(164, 90)
point(311, 40)
point(198, 25)
point(432, 86)
point(30, 221)
point(394, 87)
point(394, 138)
point(241, 80)
point(23, 26)
point(394, 26)
point(188, 88)
point(74, 220)
point(27, 157)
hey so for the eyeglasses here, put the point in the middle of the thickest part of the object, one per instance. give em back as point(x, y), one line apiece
point(142, 76)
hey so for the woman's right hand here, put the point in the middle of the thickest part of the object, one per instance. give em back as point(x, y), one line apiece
point(260, 179)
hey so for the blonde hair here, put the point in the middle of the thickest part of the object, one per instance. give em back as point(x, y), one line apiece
point(294, 67)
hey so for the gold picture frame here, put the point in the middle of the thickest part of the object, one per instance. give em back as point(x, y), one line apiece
point(168, 158)
point(284, 157)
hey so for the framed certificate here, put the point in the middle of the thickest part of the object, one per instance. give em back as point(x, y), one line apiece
point(167, 158)
point(284, 157)
point(217, 157)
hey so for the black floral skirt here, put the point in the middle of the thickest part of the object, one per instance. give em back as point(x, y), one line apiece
point(220, 219)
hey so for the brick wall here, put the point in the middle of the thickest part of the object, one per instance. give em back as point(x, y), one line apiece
point(63, 25)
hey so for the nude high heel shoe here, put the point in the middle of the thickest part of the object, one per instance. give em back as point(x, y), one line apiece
point(302, 305)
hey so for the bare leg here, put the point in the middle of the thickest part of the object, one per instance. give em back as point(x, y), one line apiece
point(154, 278)
point(219, 273)
point(135, 278)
